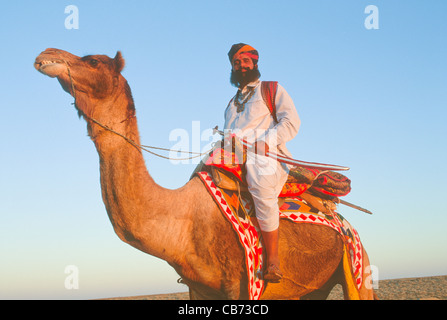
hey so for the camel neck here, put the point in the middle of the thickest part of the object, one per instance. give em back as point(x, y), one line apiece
point(123, 176)
point(134, 202)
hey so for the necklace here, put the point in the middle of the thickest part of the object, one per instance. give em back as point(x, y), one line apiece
point(242, 98)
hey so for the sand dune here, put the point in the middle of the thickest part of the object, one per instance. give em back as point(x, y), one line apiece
point(425, 288)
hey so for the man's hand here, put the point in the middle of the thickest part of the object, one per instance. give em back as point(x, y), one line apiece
point(260, 147)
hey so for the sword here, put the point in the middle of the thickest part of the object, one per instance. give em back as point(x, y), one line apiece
point(287, 160)
point(313, 165)
point(354, 206)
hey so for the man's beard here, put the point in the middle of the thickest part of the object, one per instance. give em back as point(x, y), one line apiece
point(240, 80)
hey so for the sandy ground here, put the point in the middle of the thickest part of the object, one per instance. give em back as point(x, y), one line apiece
point(425, 288)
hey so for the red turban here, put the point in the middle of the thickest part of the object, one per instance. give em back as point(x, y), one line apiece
point(243, 48)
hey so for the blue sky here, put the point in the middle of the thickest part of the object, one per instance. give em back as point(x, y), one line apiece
point(374, 100)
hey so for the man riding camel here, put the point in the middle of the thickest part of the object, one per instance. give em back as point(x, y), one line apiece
point(249, 117)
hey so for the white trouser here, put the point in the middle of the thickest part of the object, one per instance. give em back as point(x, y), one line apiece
point(265, 178)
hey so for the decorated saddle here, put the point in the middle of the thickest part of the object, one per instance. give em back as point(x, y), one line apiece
point(319, 187)
point(309, 196)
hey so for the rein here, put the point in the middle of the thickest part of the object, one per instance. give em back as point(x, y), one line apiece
point(133, 143)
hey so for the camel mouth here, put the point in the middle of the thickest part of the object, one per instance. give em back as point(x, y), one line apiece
point(51, 68)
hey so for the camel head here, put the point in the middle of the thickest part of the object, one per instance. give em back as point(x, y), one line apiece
point(96, 79)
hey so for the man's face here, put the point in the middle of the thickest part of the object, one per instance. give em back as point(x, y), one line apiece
point(242, 63)
point(243, 71)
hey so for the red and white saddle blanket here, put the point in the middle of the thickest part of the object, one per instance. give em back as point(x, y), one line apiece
point(294, 209)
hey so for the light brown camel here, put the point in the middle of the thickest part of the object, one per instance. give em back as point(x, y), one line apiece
point(192, 235)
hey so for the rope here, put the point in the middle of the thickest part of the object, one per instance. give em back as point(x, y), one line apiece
point(133, 143)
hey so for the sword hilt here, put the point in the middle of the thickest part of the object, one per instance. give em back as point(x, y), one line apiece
point(216, 130)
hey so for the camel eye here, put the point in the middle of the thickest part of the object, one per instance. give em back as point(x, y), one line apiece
point(93, 62)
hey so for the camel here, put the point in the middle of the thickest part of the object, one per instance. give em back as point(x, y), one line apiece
point(184, 226)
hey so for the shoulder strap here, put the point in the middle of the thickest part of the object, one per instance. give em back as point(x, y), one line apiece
point(268, 91)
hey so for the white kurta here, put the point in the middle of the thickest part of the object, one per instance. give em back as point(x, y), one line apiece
point(265, 176)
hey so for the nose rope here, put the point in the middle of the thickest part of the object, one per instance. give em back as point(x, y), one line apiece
point(133, 143)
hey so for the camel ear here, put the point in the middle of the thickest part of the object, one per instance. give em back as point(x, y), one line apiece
point(119, 62)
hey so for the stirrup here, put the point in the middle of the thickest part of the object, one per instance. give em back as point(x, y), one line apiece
point(273, 274)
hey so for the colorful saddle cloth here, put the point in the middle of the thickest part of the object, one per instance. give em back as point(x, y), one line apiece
point(323, 184)
point(239, 210)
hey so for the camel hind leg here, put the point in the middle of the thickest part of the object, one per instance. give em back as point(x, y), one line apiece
point(323, 292)
point(366, 291)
